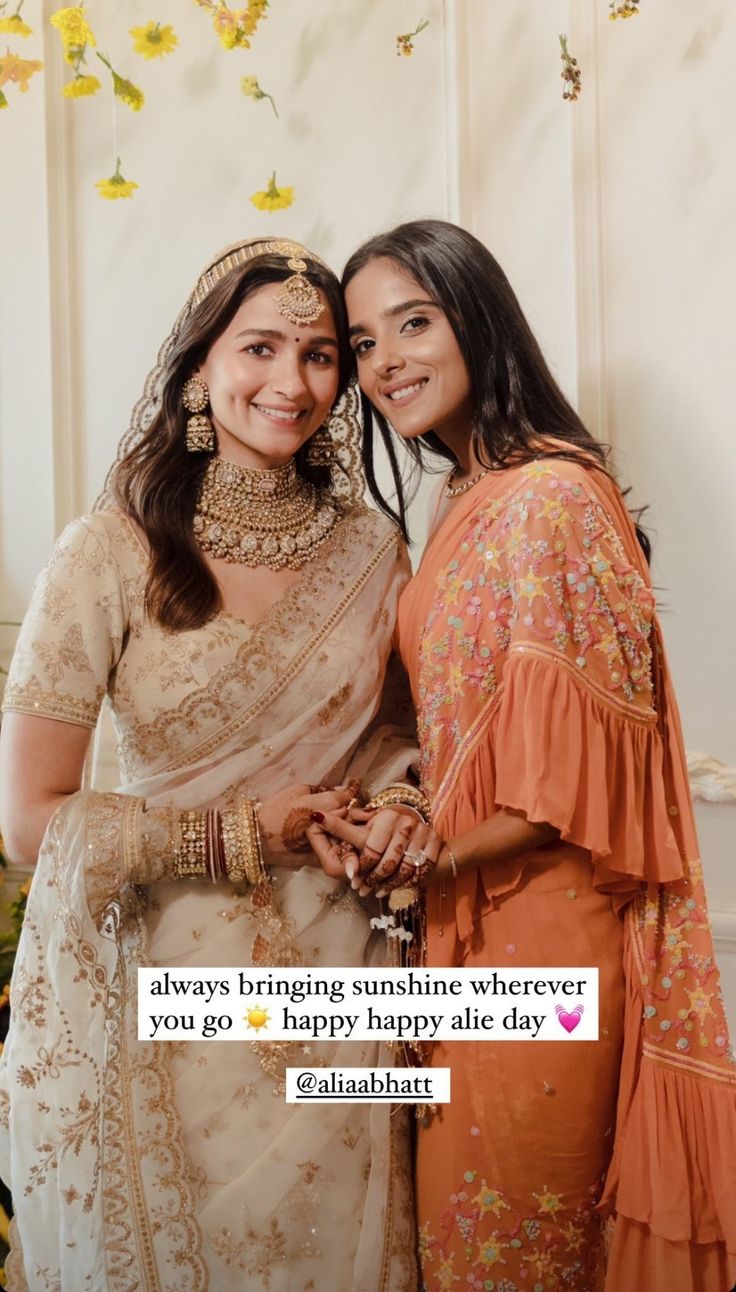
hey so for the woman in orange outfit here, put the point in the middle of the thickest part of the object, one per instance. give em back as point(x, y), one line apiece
point(553, 760)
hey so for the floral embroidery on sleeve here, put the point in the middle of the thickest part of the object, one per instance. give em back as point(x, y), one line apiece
point(543, 570)
point(73, 633)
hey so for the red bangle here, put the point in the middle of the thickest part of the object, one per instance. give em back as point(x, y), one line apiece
point(215, 849)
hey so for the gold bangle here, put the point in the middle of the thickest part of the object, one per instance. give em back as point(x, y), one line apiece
point(250, 841)
point(402, 796)
point(234, 859)
point(190, 858)
point(453, 862)
point(262, 876)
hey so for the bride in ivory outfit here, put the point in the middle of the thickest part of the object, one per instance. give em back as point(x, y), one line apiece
point(235, 599)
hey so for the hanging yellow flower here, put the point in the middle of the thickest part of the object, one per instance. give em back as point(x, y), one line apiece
point(19, 70)
point(230, 33)
point(128, 92)
point(153, 40)
point(234, 26)
point(73, 27)
point(76, 34)
point(405, 43)
point(81, 87)
point(250, 17)
point(14, 25)
point(623, 8)
point(252, 90)
point(123, 88)
point(116, 186)
point(273, 198)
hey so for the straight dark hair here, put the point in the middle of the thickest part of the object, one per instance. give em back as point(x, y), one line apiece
point(157, 484)
point(518, 407)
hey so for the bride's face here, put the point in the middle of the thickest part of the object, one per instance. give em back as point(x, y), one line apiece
point(271, 382)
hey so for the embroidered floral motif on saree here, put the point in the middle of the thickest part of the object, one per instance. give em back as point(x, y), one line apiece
point(179, 1167)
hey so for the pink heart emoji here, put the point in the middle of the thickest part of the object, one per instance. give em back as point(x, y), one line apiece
point(571, 1020)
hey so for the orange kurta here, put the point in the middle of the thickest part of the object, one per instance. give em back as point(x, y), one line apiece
point(540, 682)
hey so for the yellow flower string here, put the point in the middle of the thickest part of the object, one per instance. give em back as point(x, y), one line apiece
point(252, 90)
point(234, 27)
point(153, 40)
point(17, 70)
point(76, 35)
point(14, 25)
point(273, 198)
point(116, 186)
point(123, 88)
point(623, 9)
point(572, 82)
point(405, 43)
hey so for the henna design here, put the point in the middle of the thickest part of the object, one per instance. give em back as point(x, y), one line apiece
point(402, 878)
point(294, 830)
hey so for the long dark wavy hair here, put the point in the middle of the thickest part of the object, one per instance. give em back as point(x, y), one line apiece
point(518, 406)
point(157, 484)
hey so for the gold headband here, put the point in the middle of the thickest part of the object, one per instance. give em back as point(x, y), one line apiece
point(298, 300)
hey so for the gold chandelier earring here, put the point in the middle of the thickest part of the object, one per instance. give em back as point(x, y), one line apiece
point(200, 432)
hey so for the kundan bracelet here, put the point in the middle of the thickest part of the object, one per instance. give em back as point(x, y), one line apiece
point(190, 858)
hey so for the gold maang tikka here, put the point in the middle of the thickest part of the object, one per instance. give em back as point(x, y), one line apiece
point(298, 300)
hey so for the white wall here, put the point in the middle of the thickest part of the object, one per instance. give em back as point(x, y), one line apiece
point(91, 288)
point(613, 217)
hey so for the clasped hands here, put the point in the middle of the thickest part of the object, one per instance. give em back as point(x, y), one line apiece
point(376, 850)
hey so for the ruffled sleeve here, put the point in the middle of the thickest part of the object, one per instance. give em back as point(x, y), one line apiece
point(72, 635)
point(578, 740)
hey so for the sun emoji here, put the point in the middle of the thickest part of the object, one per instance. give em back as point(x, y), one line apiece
point(257, 1017)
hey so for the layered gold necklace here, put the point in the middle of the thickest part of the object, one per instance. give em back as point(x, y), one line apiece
point(261, 517)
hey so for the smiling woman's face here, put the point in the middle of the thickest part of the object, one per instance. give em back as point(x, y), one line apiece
point(271, 382)
point(410, 365)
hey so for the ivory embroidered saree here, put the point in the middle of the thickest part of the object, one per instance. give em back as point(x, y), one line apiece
point(179, 1166)
point(541, 686)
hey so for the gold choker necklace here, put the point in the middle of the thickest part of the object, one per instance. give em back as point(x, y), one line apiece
point(270, 517)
